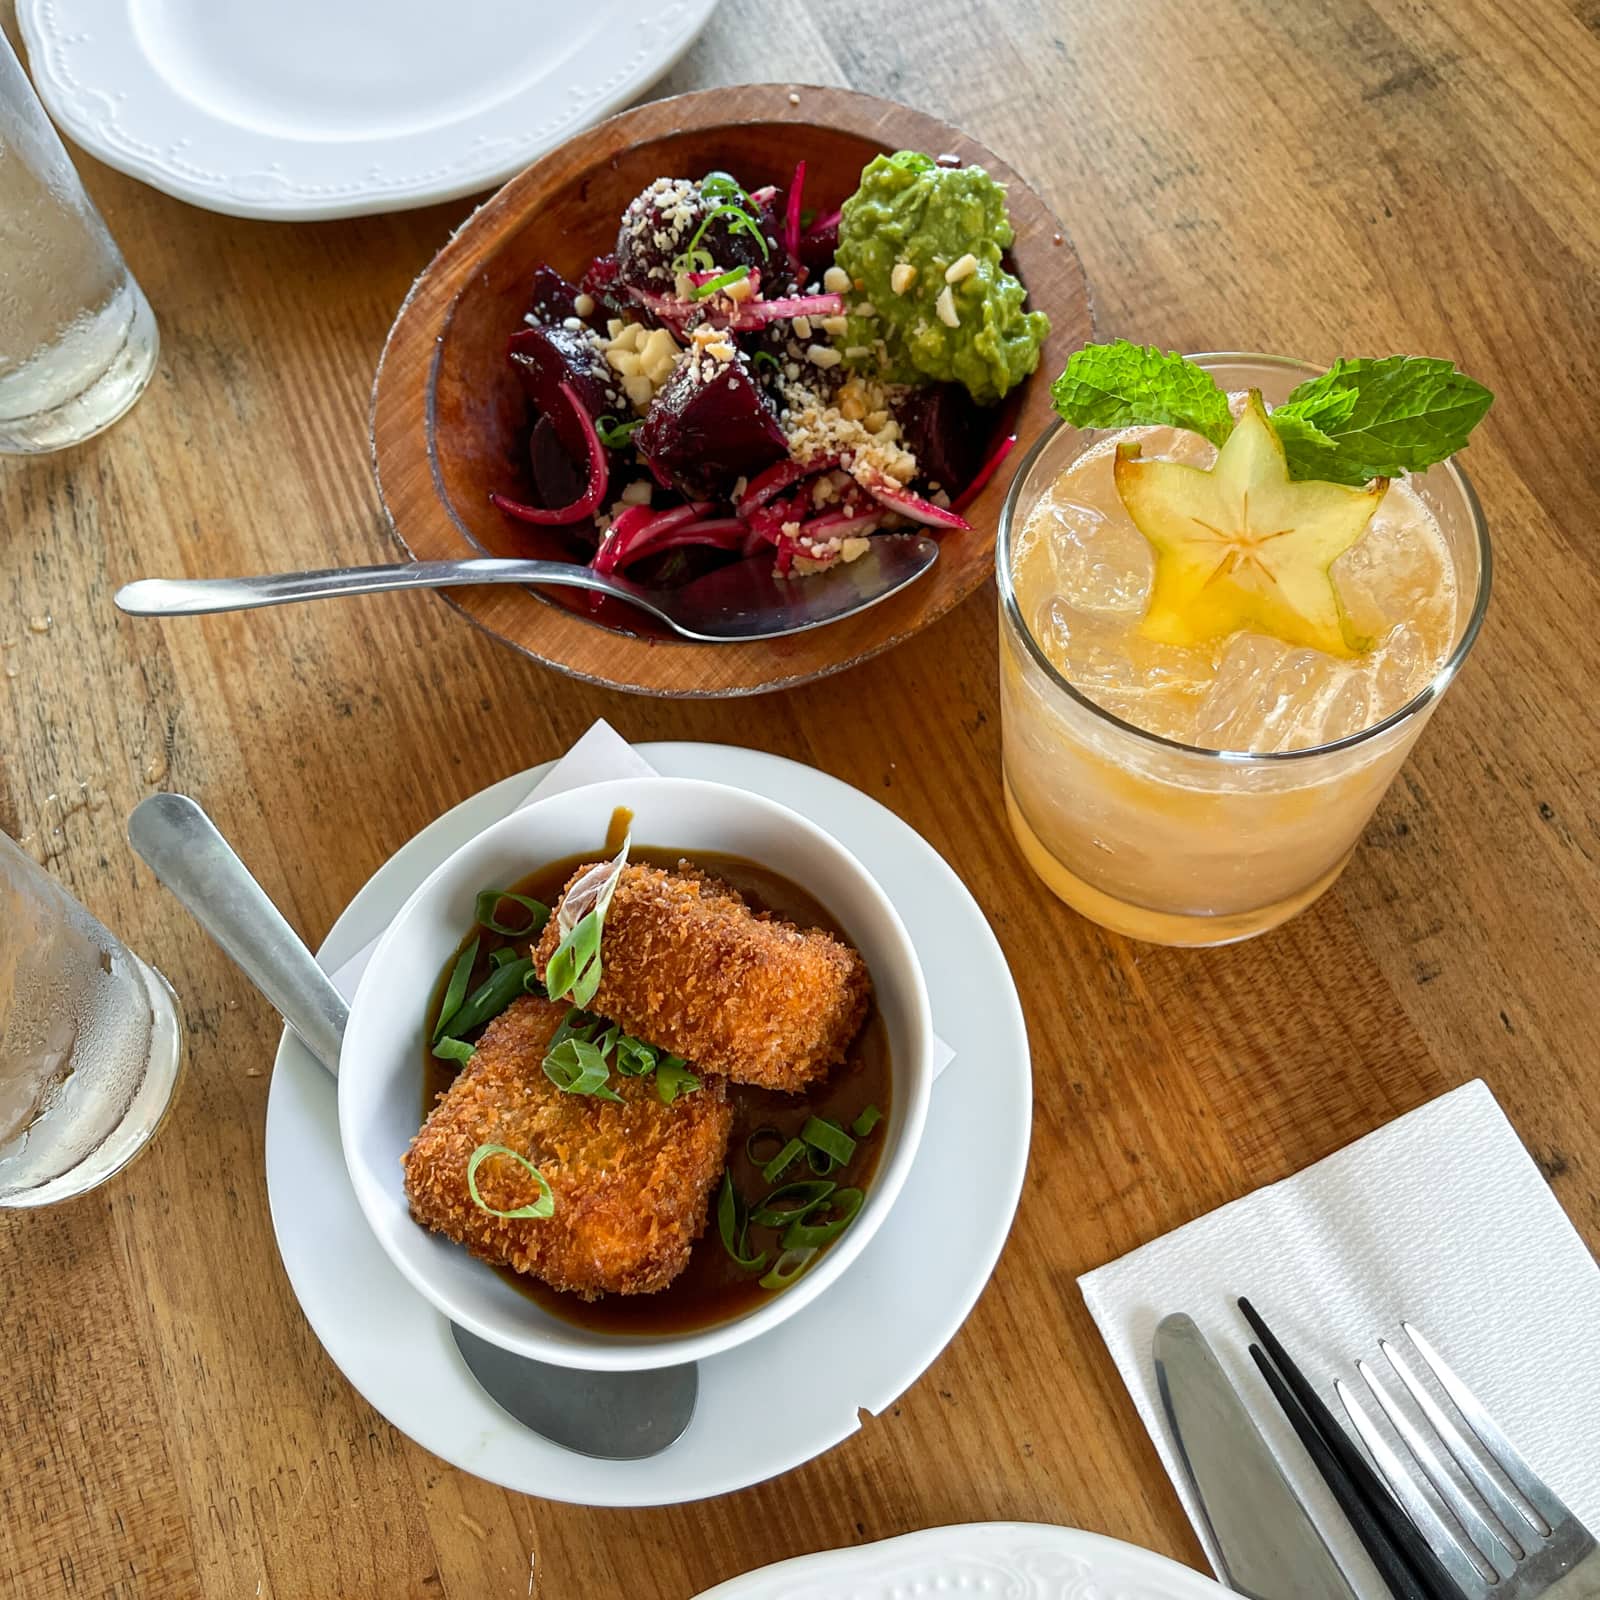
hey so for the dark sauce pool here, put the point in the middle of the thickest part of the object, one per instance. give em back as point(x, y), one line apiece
point(711, 1289)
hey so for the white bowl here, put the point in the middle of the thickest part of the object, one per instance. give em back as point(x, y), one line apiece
point(380, 1086)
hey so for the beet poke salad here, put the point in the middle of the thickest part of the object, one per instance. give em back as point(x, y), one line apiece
point(742, 374)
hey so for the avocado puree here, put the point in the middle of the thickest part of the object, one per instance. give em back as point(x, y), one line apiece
point(909, 211)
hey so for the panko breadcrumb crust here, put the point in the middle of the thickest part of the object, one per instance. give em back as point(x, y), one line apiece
point(688, 965)
point(632, 1182)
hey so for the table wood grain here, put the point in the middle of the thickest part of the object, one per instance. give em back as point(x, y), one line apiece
point(1288, 175)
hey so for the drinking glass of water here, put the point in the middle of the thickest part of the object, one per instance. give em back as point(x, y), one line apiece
point(90, 1044)
point(77, 338)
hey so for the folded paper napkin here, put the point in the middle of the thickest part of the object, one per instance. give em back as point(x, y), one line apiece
point(1440, 1219)
point(599, 756)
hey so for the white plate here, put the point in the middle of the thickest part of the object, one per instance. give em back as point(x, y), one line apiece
point(297, 109)
point(882, 1323)
point(1016, 1560)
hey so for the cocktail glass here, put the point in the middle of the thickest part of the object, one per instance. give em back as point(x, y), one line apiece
point(1168, 842)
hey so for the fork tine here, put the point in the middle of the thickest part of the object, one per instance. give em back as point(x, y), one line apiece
point(1516, 1518)
point(1442, 1539)
point(1526, 1481)
point(1491, 1546)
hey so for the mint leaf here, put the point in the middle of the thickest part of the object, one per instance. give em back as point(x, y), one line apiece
point(1378, 417)
point(1120, 384)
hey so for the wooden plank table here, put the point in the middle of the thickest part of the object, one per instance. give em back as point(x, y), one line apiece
point(1311, 178)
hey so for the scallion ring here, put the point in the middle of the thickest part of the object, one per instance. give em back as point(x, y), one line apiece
point(845, 1202)
point(448, 1049)
point(456, 990)
point(768, 1136)
point(487, 913)
point(724, 280)
point(801, 1199)
point(866, 1122)
point(578, 1066)
point(673, 1078)
point(504, 955)
point(787, 1268)
point(544, 1206)
point(784, 1159)
point(821, 1162)
point(635, 1058)
point(492, 996)
point(768, 357)
point(734, 1229)
point(830, 1138)
point(614, 434)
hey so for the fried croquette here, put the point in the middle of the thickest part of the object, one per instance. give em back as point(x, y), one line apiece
point(687, 965)
point(632, 1182)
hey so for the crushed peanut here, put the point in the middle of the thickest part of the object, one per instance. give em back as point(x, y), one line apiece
point(583, 304)
point(836, 280)
point(637, 493)
point(836, 326)
point(945, 306)
point(961, 267)
point(823, 355)
point(901, 276)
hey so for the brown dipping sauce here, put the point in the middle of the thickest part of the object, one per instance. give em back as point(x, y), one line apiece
point(711, 1289)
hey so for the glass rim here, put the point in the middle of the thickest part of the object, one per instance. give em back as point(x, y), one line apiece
point(1424, 697)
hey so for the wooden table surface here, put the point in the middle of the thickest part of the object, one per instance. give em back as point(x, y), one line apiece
point(1314, 178)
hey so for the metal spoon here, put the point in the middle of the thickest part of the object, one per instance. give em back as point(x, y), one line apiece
point(617, 1416)
point(739, 602)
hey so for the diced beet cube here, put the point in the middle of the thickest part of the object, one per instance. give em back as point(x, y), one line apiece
point(659, 225)
point(553, 299)
point(947, 431)
point(600, 281)
point(708, 425)
point(544, 359)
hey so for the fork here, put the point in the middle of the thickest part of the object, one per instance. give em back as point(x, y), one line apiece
point(1529, 1543)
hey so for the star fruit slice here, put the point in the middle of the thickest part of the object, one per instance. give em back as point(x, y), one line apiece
point(1239, 547)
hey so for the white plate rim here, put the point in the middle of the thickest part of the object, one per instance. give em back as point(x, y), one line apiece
point(652, 1483)
point(964, 1558)
point(134, 123)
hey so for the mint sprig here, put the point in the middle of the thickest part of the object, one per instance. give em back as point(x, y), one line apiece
point(1119, 385)
point(1363, 418)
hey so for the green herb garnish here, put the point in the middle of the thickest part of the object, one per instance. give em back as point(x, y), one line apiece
point(866, 1122)
point(673, 1078)
point(733, 1225)
point(829, 1138)
point(494, 994)
point(704, 291)
point(544, 1206)
point(613, 434)
point(578, 1066)
point(573, 972)
point(488, 907)
point(785, 1158)
point(788, 1267)
point(768, 357)
point(844, 1203)
point(1361, 419)
point(456, 990)
point(799, 1201)
point(448, 1049)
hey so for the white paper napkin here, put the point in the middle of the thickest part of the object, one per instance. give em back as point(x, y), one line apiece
point(599, 756)
point(1439, 1219)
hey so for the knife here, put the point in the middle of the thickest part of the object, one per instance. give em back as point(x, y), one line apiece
point(1267, 1547)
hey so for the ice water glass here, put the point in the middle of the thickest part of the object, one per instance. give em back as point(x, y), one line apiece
point(77, 338)
point(90, 1043)
point(1169, 842)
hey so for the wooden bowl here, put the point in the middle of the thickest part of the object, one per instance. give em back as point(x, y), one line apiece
point(450, 424)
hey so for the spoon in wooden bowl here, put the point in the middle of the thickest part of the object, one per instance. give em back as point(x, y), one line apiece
point(734, 604)
point(616, 1416)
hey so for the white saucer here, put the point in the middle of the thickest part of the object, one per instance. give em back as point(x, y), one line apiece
point(334, 108)
point(1020, 1560)
point(881, 1325)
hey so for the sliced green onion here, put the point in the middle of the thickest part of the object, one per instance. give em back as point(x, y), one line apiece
point(739, 221)
point(807, 1196)
point(787, 1268)
point(506, 952)
point(720, 185)
point(577, 1066)
point(489, 902)
point(693, 261)
point(734, 1227)
point(673, 1078)
point(635, 1058)
point(456, 990)
point(573, 972)
point(704, 291)
point(453, 1049)
point(828, 1137)
point(821, 1162)
point(752, 1145)
point(544, 1206)
point(614, 434)
point(866, 1122)
point(531, 984)
point(492, 996)
point(784, 1159)
point(846, 1202)
point(767, 356)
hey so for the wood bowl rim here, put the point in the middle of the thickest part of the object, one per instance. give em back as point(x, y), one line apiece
point(400, 415)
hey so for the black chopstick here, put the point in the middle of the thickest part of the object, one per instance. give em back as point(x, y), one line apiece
point(1409, 1567)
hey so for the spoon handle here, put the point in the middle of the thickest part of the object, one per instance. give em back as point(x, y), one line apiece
point(183, 848)
point(190, 597)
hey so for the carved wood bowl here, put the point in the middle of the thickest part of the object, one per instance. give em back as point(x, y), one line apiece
point(450, 424)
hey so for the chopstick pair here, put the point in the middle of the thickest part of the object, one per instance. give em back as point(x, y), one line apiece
point(1408, 1566)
